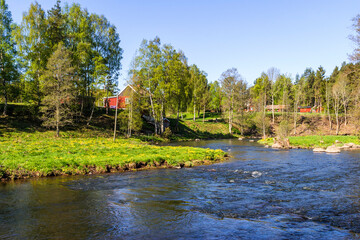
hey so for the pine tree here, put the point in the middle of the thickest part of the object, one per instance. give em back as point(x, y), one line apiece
point(56, 26)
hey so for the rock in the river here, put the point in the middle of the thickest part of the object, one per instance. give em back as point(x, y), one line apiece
point(333, 149)
point(267, 146)
point(349, 145)
point(240, 139)
point(256, 174)
point(197, 140)
point(319, 150)
point(132, 165)
point(277, 145)
point(251, 140)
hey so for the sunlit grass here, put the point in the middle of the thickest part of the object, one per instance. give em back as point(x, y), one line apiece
point(316, 140)
point(41, 154)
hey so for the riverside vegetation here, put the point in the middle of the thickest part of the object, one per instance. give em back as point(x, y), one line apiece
point(27, 149)
point(57, 65)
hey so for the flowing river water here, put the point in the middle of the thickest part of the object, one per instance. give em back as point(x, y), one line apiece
point(258, 193)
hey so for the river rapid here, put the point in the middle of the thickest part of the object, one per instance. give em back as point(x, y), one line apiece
point(258, 193)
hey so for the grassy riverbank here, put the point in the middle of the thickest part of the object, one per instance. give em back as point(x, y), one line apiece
point(38, 154)
point(316, 141)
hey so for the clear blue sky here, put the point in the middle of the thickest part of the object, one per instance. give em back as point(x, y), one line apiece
point(251, 35)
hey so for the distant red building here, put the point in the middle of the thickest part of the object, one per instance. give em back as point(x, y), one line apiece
point(122, 99)
point(305, 109)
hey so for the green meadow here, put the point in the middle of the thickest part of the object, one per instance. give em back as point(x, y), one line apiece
point(39, 154)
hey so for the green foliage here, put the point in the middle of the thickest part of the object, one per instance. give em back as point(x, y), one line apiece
point(91, 39)
point(167, 133)
point(284, 129)
point(8, 65)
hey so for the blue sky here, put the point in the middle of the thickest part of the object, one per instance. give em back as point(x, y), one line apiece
point(251, 35)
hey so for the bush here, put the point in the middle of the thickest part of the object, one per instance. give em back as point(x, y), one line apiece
point(167, 133)
point(284, 129)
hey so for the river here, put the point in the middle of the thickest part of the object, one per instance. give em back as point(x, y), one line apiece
point(258, 193)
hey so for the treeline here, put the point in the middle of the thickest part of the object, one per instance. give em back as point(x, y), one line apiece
point(166, 84)
point(65, 59)
point(89, 43)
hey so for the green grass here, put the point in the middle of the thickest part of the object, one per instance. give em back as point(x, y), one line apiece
point(214, 127)
point(316, 141)
point(40, 154)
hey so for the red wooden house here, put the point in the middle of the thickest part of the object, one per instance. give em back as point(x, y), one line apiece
point(305, 109)
point(122, 99)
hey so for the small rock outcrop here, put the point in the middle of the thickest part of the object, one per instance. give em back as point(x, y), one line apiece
point(333, 149)
point(349, 145)
point(319, 150)
point(281, 143)
point(277, 145)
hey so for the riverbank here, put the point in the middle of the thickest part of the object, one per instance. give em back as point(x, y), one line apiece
point(40, 154)
point(315, 141)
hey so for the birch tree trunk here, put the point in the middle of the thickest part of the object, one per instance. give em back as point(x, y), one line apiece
point(272, 108)
point(204, 113)
point(328, 107)
point(194, 111)
point(162, 117)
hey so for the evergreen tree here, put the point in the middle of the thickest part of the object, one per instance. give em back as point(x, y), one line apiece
point(56, 26)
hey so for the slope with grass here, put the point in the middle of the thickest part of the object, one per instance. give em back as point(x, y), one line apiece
point(213, 127)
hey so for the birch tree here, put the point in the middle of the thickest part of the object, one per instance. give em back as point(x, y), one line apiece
point(8, 65)
point(230, 83)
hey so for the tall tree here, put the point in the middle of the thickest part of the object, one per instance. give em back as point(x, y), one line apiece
point(8, 65)
point(56, 26)
point(59, 86)
point(215, 96)
point(260, 93)
point(336, 92)
point(273, 74)
point(146, 66)
point(319, 87)
point(198, 82)
point(355, 56)
point(230, 83)
point(344, 92)
point(33, 50)
point(309, 76)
